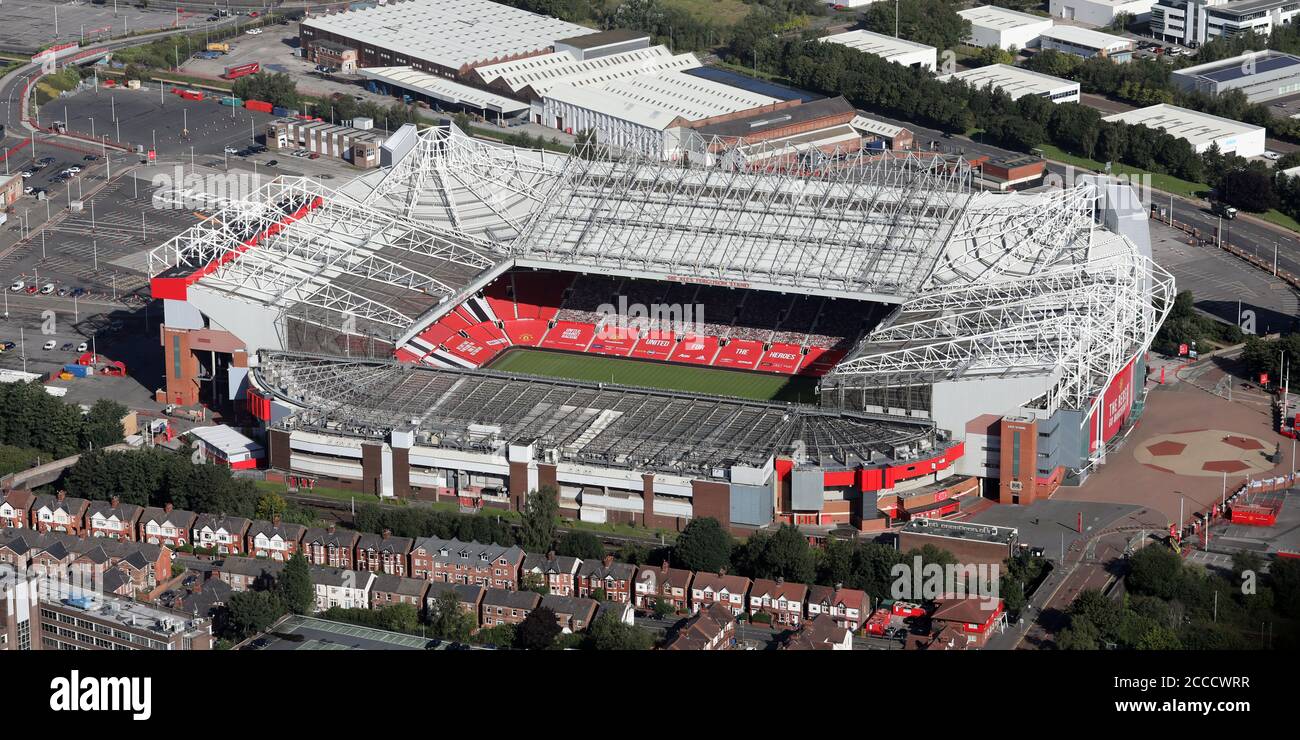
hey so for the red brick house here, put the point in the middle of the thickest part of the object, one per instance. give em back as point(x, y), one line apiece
point(819, 633)
point(166, 526)
point(559, 573)
point(60, 513)
point(500, 606)
point(221, 534)
point(276, 540)
point(573, 613)
point(611, 578)
point(383, 553)
point(713, 627)
point(672, 585)
point(387, 590)
point(16, 509)
point(469, 597)
point(719, 588)
point(964, 623)
point(328, 546)
point(471, 563)
point(113, 519)
point(781, 599)
point(848, 606)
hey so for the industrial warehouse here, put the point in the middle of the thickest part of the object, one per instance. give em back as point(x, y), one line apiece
point(850, 345)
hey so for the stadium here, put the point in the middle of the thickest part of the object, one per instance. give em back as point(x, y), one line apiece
point(850, 341)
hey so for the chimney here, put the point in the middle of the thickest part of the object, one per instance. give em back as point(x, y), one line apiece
point(839, 586)
point(331, 528)
point(167, 507)
point(62, 495)
point(663, 567)
point(275, 520)
point(780, 580)
point(114, 502)
point(550, 555)
point(722, 572)
point(387, 533)
point(608, 560)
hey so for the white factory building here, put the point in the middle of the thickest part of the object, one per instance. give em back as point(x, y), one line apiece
point(1193, 22)
point(636, 112)
point(994, 26)
point(1018, 82)
point(898, 51)
point(1099, 12)
point(1087, 43)
point(1201, 130)
point(1261, 76)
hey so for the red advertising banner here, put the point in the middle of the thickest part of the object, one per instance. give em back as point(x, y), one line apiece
point(1116, 404)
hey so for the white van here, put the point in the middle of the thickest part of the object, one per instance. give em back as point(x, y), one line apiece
point(17, 286)
point(47, 289)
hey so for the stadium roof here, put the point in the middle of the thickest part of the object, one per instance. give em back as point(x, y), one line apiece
point(987, 283)
point(449, 33)
point(1087, 38)
point(586, 423)
point(1014, 81)
point(1195, 127)
point(878, 44)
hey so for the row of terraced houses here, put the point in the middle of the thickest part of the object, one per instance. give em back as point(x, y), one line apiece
point(432, 559)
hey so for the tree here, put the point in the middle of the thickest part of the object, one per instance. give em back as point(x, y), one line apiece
point(294, 586)
point(1155, 571)
point(1249, 189)
point(251, 612)
point(103, 424)
point(584, 545)
point(703, 545)
point(610, 633)
point(535, 582)
point(932, 22)
point(277, 88)
point(271, 505)
point(447, 619)
point(538, 630)
point(541, 513)
point(780, 554)
point(399, 618)
point(663, 608)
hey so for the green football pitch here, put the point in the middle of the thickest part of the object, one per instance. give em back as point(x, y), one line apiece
point(621, 371)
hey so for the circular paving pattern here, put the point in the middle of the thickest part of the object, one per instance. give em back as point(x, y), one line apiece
point(1206, 452)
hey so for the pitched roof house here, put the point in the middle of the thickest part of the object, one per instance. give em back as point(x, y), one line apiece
point(712, 627)
point(662, 583)
point(709, 588)
point(166, 526)
point(16, 509)
point(112, 519)
point(574, 614)
point(221, 533)
point(330, 546)
point(559, 572)
point(849, 606)
point(59, 513)
point(383, 553)
point(274, 539)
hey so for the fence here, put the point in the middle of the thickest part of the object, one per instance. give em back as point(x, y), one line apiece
point(1195, 238)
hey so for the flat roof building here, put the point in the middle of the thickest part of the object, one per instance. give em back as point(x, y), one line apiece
point(1087, 43)
point(1099, 12)
point(1016, 82)
point(899, 51)
point(1193, 22)
point(967, 541)
point(994, 26)
point(1201, 130)
point(1261, 76)
point(444, 37)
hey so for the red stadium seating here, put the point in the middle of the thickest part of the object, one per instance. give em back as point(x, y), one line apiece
point(525, 308)
point(655, 346)
point(695, 350)
point(526, 332)
point(781, 358)
point(569, 335)
point(614, 340)
point(742, 354)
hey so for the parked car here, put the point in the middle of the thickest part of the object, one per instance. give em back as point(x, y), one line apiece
point(272, 163)
point(28, 189)
point(45, 160)
point(62, 292)
point(1272, 156)
point(90, 158)
point(67, 347)
point(51, 344)
point(17, 286)
point(74, 169)
point(82, 347)
point(31, 289)
point(77, 292)
point(47, 289)
point(9, 345)
point(28, 173)
point(232, 150)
